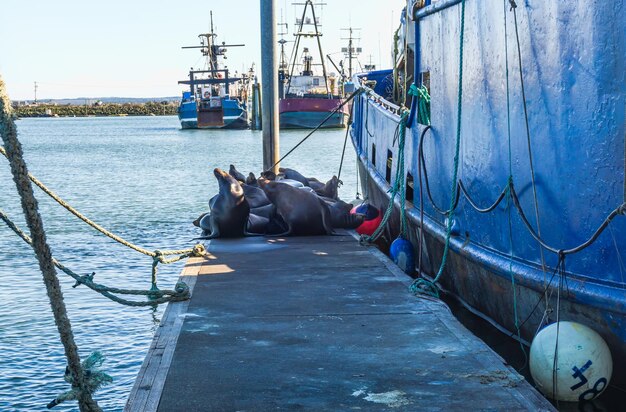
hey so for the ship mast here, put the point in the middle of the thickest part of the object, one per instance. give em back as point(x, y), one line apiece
point(350, 52)
point(300, 34)
point(282, 66)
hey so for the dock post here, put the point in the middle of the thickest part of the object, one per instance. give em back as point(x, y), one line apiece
point(269, 86)
point(256, 107)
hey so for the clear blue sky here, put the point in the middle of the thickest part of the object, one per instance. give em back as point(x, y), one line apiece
point(131, 48)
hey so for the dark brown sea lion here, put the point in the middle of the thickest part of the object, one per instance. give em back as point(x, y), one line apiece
point(341, 218)
point(229, 209)
point(251, 180)
point(267, 211)
point(302, 211)
point(236, 174)
point(329, 189)
point(294, 175)
point(257, 225)
point(255, 196)
point(269, 175)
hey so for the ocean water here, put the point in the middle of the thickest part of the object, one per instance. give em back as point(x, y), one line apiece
point(144, 179)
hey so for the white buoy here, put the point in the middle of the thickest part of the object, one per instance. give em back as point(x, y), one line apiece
point(583, 367)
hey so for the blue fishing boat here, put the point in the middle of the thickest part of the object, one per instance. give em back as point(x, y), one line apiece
point(510, 172)
point(214, 100)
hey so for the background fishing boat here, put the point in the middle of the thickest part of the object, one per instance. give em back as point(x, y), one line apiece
point(215, 100)
point(306, 98)
point(513, 160)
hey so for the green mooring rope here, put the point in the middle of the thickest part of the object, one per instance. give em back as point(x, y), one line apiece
point(399, 187)
point(422, 285)
point(423, 103)
point(155, 295)
point(158, 256)
point(94, 379)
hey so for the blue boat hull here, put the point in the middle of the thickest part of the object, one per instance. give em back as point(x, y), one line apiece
point(576, 98)
point(235, 116)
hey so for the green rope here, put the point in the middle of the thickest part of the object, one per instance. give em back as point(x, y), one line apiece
point(158, 256)
point(156, 296)
point(423, 103)
point(94, 379)
point(509, 198)
point(398, 187)
point(422, 285)
point(93, 224)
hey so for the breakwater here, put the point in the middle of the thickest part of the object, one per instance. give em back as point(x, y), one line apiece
point(98, 109)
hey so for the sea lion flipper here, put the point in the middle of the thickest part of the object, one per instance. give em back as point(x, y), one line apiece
point(326, 218)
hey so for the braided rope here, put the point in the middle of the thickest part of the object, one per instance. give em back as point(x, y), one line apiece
point(421, 284)
point(398, 187)
point(93, 224)
point(156, 296)
point(8, 132)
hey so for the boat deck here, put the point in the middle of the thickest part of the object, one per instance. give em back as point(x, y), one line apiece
point(316, 323)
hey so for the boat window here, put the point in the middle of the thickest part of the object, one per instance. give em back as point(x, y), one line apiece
point(373, 154)
point(389, 164)
point(409, 187)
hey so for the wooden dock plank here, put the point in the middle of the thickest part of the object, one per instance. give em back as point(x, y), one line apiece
point(316, 323)
point(146, 392)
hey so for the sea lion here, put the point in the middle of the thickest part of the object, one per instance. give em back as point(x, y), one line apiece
point(341, 218)
point(251, 180)
point(257, 224)
point(290, 182)
point(236, 174)
point(314, 183)
point(199, 219)
point(302, 211)
point(329, 189)
point(229, 209)
point(293, 175)
point(269, 175)
point(255, 196)
point(267, 211)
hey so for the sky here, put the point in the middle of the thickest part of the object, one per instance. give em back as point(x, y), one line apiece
point(132, 48)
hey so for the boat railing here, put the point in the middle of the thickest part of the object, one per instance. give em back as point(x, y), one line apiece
point(372, 95)
point(429, 8)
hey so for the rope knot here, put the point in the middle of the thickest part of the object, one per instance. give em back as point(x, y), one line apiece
point(94, 379)
point(84, 279)
point(198, 250)
point(622, 209)
point(513, 4)
point(182, 289)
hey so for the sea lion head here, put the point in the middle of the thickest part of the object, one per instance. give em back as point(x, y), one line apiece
point(227, 183)
point(269, 175)
point(251, 179)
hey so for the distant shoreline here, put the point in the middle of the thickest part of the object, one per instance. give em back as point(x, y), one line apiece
point(98, 110)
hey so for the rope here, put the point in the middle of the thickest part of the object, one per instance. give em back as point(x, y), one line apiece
point(423, 105)
point(19, 170)
point(93, 224)
point(508, 195)
point(399, 186)
point(530, 153)
point(422, 284)
point(180, 292)
point(359, 90)
point(94, 378)
point(158, 256)
point(345, 143)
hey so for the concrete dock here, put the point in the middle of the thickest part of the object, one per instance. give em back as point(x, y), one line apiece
point(316, 323)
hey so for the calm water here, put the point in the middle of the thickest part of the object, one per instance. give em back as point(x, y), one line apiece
point(144, 179)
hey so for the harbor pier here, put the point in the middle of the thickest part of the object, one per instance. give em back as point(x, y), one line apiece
point(316, 323)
